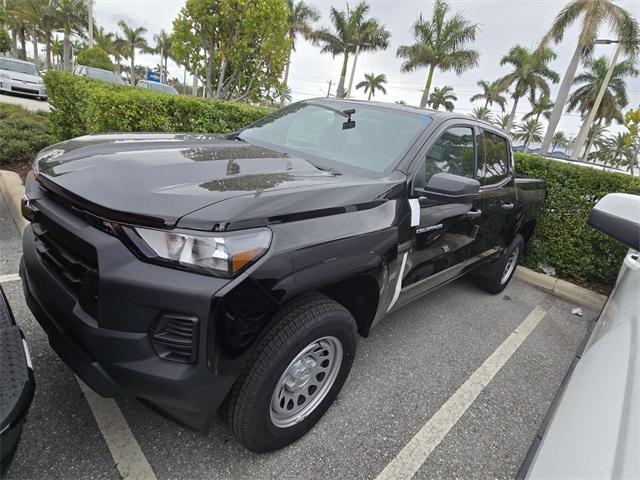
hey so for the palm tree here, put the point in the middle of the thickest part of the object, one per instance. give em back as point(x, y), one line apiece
point(530, 74)
point(133, 38)
point(120, 51)
point(491, 93)
point(71, 15)
point(615, 151)
point(442, 96)
point(18, 25)
point(528, 131)
point(104, 40)
point(590, 82)
point(504, 121)
point(352, 32)
point(595, 138)
point(300, 18)
point(57, 51)
point(483, 113)
point(163, 42)
point(440, 44)
point(373, 82)
point(592, 14)
point(31, 13)
point(560, 139)
point(284, 93)
point(48, 25)
point(540, 106)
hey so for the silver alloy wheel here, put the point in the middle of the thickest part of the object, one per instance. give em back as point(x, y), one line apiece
point(306, 381)
point(510, 266)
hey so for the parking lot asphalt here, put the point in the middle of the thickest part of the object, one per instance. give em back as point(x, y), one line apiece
point(412, 363)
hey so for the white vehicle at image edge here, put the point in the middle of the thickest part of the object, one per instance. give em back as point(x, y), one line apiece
point(594, 427)
point(18, 76)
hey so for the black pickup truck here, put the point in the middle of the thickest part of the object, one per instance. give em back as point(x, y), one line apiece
point(199, 271)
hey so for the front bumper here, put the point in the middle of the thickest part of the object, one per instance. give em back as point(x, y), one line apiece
point(109, 340)
point(23, 88)
point(17, 383)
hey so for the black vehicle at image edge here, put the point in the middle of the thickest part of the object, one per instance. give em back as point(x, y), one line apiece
point(203, 271)
point(17, 383)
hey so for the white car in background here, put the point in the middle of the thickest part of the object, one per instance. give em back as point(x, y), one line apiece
point(98, 74)
point(157, 87)
point(18, 76)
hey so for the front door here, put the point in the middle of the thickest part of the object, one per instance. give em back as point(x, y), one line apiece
point(442, 231)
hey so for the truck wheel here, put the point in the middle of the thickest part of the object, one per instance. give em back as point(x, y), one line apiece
point(296, 372)
point(495, 277)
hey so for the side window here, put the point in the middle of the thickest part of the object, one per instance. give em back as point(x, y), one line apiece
point(451, 153)
point(493, 158)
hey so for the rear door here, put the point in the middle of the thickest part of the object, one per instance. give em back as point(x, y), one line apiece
point(497, 200)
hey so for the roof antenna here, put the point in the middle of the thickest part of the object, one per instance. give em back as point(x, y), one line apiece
point(349, 123)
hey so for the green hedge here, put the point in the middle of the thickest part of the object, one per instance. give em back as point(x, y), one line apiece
point(82, 106)
point(22, 134)
point(563, 239)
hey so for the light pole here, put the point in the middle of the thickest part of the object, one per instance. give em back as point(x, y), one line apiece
point(90, 13)
point(586, 125)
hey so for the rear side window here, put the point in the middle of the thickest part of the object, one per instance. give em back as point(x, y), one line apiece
point(452, 153)
point(493, 158)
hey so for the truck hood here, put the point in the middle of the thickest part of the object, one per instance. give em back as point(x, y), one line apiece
point(158, 178)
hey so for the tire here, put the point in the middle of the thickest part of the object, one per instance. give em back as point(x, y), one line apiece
point(495, 277)
point(260, 409)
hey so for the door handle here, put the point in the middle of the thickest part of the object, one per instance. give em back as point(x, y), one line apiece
point(473, 213)
point(508, 206)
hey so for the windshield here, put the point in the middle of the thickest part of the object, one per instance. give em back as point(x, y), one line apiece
point(160, 87)
point(377, 140)
point(104, 75)
point(13, 66)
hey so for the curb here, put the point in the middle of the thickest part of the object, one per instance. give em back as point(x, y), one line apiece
point(12, 189)
point(562, 288)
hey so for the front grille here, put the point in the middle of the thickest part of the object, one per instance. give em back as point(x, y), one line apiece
point(24, 90)
point(71, 259)
point(175, 337)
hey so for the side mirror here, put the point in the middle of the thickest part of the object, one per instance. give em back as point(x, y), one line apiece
point(618, 215)
point(446, 186)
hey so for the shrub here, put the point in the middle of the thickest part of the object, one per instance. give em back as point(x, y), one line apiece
point(82, 106)
point(563, 239)
point(5, 41)
point(22, 134)
point(95, 57)
point(67, 96)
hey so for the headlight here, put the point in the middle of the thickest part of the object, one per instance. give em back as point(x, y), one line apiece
point(218, 254)
point(4, 75)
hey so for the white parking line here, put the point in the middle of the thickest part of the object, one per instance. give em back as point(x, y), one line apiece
point(9, 277)
point(416, 452)
point(125, 450)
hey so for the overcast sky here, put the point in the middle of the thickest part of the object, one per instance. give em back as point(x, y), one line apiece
point(503, 23)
